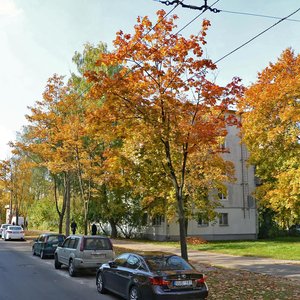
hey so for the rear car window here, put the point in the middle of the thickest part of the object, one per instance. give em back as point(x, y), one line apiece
point(97, 244)
point(55, 238)
point(15, 227)
point(166, 263)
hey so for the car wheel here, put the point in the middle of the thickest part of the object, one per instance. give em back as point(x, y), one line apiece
point(134, 293)
point(57, 264)
point(42, 254)
point(33, 251)
point(100, 285)
point(72, 270)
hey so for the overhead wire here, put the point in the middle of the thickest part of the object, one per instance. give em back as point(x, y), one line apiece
point(250, 40)
point(256, 15)
point(256, 36)
point(189, 23)
point(195, 18)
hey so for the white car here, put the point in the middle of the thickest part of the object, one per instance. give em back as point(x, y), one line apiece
point(14, 232)
point(3, 229)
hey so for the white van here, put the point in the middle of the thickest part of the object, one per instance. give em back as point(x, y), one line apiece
point(20, 221)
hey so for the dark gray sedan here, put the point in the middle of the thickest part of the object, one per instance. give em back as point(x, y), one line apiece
point(151, 276)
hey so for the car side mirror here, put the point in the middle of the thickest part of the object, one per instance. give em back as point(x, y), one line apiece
point(112, 264)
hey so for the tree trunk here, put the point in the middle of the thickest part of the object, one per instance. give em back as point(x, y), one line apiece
point(67, 195)
point(179, 197)
point(182, 226)
point(61, 213)
point(114, 231)
point(60, 225)
point(85, 217)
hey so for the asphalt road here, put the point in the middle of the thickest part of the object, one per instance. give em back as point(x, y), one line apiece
point(27, 277)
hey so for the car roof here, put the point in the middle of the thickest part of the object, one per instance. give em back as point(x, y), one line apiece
point(53, 234)
point(88, 236)
point(151, 254)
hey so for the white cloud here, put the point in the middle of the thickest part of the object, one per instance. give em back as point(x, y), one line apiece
point(8, 8)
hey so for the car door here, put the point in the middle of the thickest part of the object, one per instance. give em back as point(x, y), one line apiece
point(63, 252)
point(111, 275)
point(38, 244)
point(125, 273)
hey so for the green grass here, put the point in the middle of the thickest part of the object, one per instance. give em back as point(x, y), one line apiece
point(279, 248)
point(287, 248)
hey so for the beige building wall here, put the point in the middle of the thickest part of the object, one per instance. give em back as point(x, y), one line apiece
point(239, 204)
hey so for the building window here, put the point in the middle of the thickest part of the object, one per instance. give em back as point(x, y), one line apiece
point(223, 145)
point(223, 219)
point(222, 196)
point(158, 220)
point(202, 221)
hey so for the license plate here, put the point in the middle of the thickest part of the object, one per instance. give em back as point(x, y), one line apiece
point(183, 283)
point(98, 254)
point(54, 245)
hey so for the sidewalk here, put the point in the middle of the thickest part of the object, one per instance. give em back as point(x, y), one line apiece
point(284, 268)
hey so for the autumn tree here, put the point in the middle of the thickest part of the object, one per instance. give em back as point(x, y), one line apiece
point(89, 145)
point(15, 176)
point(44, 142)
point(162, 103)
point(271, 116)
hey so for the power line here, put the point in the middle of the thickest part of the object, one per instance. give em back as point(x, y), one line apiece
point(256, 15)
point(256, 36)
point(194, 19)
point(177, 2)
point(203, 8)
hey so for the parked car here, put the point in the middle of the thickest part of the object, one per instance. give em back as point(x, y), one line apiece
point(151, 276)
point(80, 252)
point(2, 229)
point(46, 244)
point(14, 232)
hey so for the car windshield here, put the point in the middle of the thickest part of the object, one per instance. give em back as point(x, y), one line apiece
point(165, 263)
point(15, 228)
point(97, 244)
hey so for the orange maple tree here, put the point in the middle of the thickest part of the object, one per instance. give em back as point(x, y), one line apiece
point(271, 116)
point(162, 102)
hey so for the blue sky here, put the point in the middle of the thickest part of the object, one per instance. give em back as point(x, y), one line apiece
point(39, 38)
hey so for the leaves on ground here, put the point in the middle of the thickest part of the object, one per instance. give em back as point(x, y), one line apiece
point(227, 284)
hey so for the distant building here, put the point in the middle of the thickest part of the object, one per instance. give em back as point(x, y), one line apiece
point(238, 216)
point(10, 215)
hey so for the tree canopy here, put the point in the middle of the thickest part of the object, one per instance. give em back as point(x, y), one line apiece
point(271, 119)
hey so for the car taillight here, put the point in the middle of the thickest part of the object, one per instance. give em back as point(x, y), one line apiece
point(201, 280)
point(82, 244)
point(158, 281)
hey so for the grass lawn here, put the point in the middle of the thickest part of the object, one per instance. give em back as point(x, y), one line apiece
point(279, 248)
